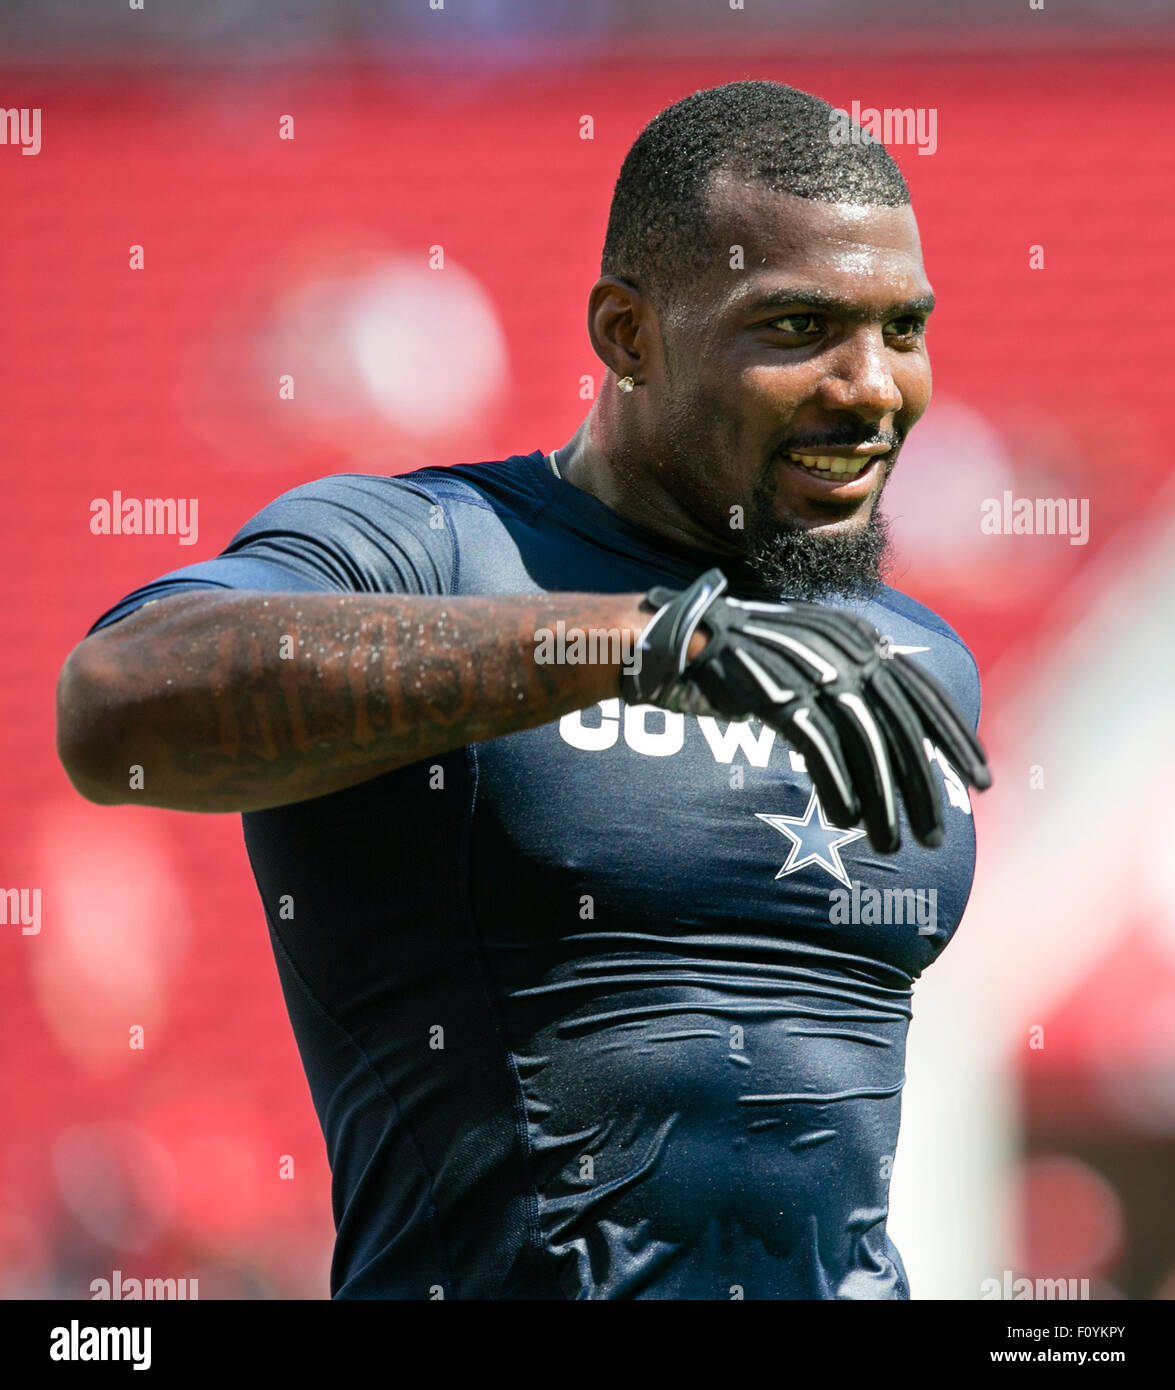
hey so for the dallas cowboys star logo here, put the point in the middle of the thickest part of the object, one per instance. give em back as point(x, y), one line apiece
point(813, 843)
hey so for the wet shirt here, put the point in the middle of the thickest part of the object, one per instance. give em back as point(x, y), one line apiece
point(603, 1009)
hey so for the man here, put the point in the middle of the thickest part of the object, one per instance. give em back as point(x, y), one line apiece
point(581, 983)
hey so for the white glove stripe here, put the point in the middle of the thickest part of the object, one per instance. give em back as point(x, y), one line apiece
point(697, 611)
point(643, 639)
point(776, 694)
point(811, 730)
point(752, 605)
point(860, 710)
point(825, 669)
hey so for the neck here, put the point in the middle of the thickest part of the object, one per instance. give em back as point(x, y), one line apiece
point(599, 461)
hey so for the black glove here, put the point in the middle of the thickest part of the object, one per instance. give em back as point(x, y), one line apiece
point(821, 677)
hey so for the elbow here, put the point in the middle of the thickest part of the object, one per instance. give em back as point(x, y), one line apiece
point(86, 744)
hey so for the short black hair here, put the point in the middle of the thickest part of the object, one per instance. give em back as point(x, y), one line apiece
point(764, 132)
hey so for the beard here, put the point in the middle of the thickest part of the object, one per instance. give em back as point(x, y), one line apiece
point(800, 563)
point(780, 559)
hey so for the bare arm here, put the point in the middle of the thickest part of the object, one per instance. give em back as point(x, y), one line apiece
point(237, 701)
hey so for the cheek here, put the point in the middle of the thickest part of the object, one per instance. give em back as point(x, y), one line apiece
point(770, 398)
point(707, 413)
point(777, 387)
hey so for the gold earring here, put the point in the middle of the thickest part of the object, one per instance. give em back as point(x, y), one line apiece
point(626, 383)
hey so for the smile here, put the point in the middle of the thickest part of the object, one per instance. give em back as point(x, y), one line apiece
point(839, 478)
point(827, 465)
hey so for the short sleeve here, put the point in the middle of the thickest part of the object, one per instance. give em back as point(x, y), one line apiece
point(351, 533)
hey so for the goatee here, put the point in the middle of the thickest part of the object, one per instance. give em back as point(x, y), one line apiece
point(808, 565)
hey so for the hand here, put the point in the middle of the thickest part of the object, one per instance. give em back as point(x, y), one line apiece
point(821, 677)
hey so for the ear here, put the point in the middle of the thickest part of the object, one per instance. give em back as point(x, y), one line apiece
point(621, 324)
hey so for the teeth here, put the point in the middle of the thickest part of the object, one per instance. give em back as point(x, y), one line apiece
point(822, 464)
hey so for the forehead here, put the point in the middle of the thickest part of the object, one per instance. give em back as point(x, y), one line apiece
point(866, 255)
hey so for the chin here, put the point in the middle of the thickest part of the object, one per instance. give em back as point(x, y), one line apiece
point(811, 557)
point(830, 521)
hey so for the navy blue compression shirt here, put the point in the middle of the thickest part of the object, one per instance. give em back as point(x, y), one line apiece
point(601, 1009)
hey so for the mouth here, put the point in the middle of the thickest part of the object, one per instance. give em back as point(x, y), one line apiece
point(840, 475)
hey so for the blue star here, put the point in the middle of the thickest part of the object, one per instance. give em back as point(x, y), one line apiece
point(813, 844)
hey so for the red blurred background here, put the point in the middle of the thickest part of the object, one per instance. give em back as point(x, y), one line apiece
point(315, 257)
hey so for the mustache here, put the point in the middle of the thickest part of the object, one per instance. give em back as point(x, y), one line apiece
point(812, 445)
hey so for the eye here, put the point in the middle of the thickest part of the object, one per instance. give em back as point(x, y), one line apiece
point(912, 326)
point(797, 324)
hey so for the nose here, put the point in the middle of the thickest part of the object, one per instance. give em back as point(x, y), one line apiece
point(859, 379)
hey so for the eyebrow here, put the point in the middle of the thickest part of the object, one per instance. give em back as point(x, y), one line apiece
point(789, 298)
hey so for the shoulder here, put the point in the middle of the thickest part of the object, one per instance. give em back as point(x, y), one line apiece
point(349, 491)
point(912, 624)
point(513, 483)
point(512, 486)
point(372, 508)
point(911, 611)
point(355, 532)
